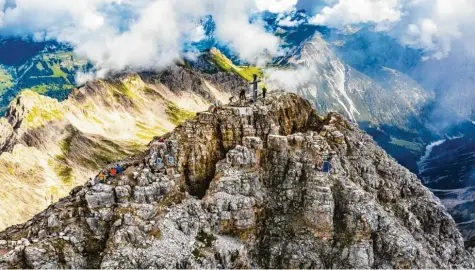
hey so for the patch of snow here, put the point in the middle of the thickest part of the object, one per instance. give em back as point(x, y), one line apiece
point(337, 81)
point(454, 137)
point(452, 203)
point(421, 163)
point(467, 222)
point(393, 71)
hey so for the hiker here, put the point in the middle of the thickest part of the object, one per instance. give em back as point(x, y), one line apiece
point(162, 140)
point(92, 182)
point(242, 95)
point(255, 85)
point(102, 177)
point(113, 172)
point(214, 108)
point(231, 99)
point(264, 91)
point(119, 169)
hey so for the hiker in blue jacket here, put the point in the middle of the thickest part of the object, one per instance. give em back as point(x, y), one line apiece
point(119, 169)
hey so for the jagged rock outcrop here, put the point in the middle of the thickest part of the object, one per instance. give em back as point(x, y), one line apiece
point(244, 188)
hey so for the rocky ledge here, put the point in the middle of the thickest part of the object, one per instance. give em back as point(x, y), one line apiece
point(244, 188)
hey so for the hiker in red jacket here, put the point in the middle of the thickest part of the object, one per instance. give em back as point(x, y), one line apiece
point(113, 172)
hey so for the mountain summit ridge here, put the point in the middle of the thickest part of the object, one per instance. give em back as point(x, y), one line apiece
point(243, 188)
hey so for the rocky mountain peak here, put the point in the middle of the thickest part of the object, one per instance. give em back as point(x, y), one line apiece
point(270, 184)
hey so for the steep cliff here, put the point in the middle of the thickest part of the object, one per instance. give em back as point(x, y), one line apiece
point(48, 147)
point(244, 188)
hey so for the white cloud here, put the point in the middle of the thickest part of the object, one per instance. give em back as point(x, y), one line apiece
point(191, 55)
point(152, 41)
point(289, 79)
point(234, 29)
point(437, 26)
point(2, 5)
point(288, 22)
point(196, 34)
point(276, 6)
point(82, 78)
point(142, 34)
point(357, 11)
point(433, 25)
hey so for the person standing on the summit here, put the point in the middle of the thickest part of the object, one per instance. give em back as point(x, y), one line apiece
point(242, 95)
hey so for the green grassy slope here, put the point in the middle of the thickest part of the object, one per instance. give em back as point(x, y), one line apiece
point(246, 72)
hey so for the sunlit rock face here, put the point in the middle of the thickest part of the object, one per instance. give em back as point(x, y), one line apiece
point(244, 188)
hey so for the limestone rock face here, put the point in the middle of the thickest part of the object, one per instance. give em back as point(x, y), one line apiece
point(245, 188)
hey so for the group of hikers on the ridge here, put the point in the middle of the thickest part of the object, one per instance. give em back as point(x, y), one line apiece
point(255, 89)
point(106, 175)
